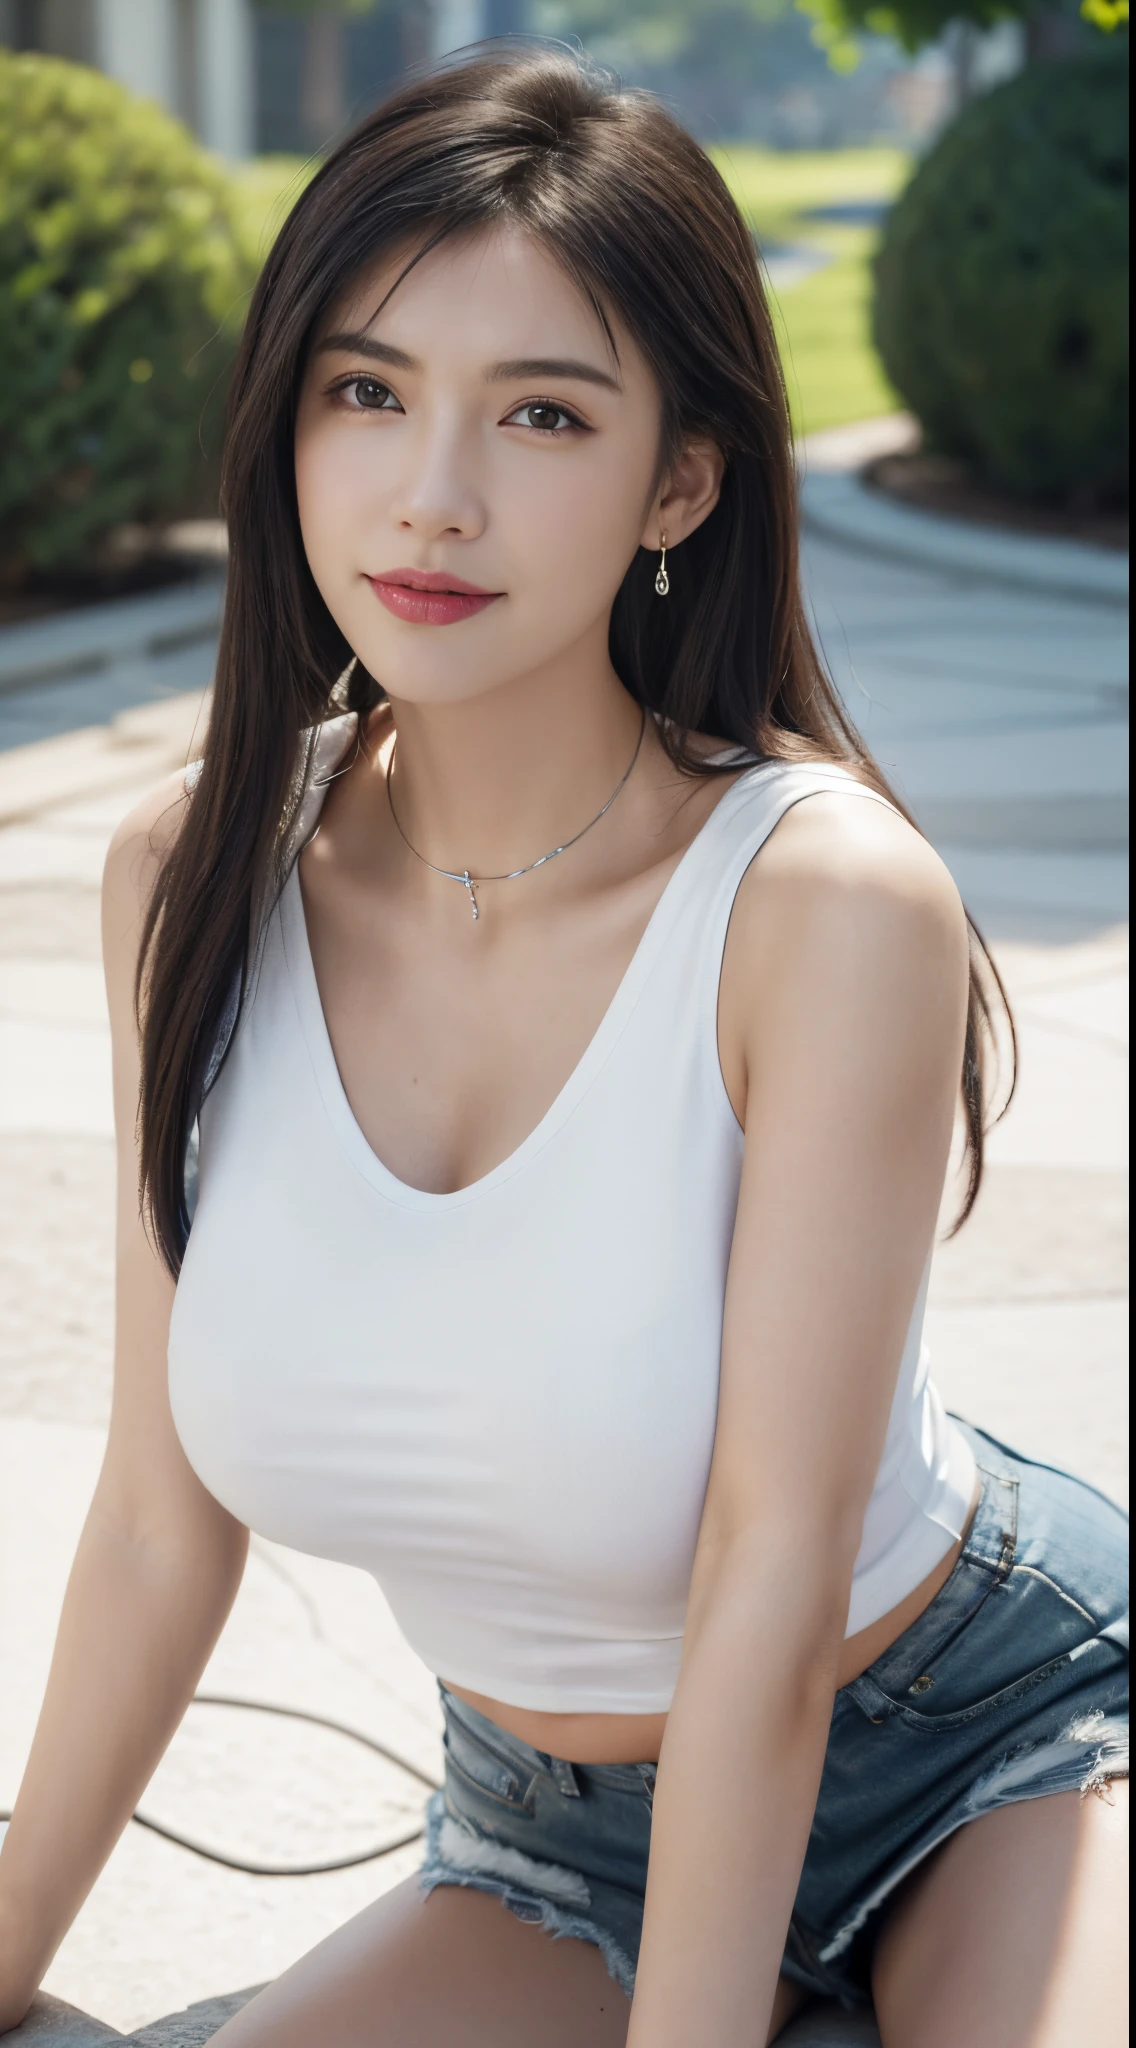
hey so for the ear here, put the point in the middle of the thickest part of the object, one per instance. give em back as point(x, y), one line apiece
point(687, 494)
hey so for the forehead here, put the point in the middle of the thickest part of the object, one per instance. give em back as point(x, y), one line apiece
point(487, 295)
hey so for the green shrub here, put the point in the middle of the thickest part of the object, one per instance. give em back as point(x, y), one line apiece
point(122, 288)
point(1001, 307)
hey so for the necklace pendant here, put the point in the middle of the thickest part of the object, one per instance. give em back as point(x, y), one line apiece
point(463, 876)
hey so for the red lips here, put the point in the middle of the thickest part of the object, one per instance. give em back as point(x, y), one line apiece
point(430, 597)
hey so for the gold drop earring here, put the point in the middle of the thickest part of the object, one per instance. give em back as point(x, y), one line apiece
point(662, 580)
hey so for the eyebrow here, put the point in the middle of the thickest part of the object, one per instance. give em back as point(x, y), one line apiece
point(553, 366)
point(501, 373)
point(364, 345)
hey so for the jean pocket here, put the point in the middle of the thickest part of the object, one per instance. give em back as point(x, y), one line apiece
point(878, 1705)
point(476, 1766)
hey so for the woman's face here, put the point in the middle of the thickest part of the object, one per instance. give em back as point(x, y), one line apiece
point(475, 469)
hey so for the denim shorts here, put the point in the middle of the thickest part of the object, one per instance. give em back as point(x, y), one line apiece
point(1011, 1685)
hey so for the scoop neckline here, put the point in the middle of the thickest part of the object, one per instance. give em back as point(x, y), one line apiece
point(345, 1124)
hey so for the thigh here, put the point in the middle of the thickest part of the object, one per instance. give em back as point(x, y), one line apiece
point(1014, 1933)
point(452, 1969)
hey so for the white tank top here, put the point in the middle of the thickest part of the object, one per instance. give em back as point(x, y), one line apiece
point(501, 1401)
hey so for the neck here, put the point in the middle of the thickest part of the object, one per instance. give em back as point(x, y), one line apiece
point(493, 782)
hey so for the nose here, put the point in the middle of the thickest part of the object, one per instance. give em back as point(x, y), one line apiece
point(438, 493)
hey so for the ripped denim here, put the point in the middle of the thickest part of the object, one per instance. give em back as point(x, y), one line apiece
point(1012, 1684)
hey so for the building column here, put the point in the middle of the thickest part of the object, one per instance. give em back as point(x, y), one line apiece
point(226, 77)
point(135, 42)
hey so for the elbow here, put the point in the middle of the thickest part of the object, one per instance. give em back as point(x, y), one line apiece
point(186, 1543)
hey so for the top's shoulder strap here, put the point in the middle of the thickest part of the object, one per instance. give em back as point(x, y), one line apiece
point(739, 826)
point(759, 799)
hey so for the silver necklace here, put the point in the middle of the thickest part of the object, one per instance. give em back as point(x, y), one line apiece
point(471, 883)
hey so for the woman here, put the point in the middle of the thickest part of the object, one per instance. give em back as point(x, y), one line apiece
point(474, 967)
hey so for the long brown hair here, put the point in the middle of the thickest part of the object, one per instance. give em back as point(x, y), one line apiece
point(639, 217)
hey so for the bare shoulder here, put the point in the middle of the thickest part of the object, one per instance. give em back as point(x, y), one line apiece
point(132, 862)
point(846, 858)
point(848, 907)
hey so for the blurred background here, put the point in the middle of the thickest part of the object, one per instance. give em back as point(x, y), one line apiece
point(939, 193)
point(252, 79)
point(148, 150)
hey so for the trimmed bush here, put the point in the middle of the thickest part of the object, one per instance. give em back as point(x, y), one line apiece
point(122, 290)
point(1001, 309)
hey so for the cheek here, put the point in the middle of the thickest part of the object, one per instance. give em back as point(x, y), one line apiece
point(327, 492)
point(314, 499)
point(575, 522)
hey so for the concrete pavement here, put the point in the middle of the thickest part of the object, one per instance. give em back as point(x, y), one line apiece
point(999, 712)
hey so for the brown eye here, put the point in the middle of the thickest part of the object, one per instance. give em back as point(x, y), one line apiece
point(371, 395)
point(542, 417)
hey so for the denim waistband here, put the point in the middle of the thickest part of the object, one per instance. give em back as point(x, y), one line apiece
point(986, 1558)
point(567, 1777)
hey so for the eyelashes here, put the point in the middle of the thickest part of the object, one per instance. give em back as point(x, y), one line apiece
point(559, 412)
point(374, 385)
point(545, 416)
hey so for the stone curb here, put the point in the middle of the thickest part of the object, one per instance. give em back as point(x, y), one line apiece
point(842, 508)
point(53, 2024)
point(94, 637)
point(196, 2025)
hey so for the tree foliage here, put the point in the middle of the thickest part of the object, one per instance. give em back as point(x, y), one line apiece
point(916, 23)
point(1001, 306)
point(122, 284)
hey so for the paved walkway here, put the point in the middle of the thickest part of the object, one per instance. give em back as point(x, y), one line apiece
point(999, 711)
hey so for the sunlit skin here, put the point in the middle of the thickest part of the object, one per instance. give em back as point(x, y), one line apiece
point(424, 447)
point(438, 446)
point(427, 442)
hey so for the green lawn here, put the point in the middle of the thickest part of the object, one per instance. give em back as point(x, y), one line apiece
point(832, 370)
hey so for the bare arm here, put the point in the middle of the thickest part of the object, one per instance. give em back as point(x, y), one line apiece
point(158, 1562)
point(842, 1012)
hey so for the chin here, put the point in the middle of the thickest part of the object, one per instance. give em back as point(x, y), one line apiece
point(411, 682)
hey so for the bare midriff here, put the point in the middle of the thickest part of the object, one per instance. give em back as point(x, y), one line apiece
point(637, 1738)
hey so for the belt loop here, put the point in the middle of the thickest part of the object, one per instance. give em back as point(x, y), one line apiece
point(872, 1701)
point(992, 1539)
point(565, 1777)
point(1009, 1531)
